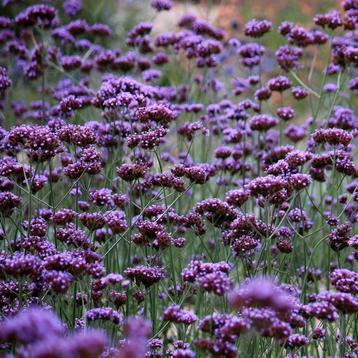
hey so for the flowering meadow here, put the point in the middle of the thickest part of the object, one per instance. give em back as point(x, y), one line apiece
point(177, 194)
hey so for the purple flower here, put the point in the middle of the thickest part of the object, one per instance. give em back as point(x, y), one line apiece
point(262, 122)
point(216, 211)
point(63, 216)
point(8, 202)
point(37, 15)
point(299, 93)
point(175, 314)
point(237, 197)
point(332, 136)
point(287, 57)
point(39, 142)
point(345, 280)
point(5, 81)
point(137, 330)
point(279, 84)
point(93, 221)
point(296, 340)
point(298, 181)
point(104, 314)
point(285, 28)
point(263, 94)
point(72, 236)
point(285, 113)
point(145, 274)
point(57, 281)
point(262, 292)
point(266, 322)
point(257, 28)
point(216, 282)
point(102, 30)
point(330, 88)
point(299, 36)
point(70, 63)
point(116, 221)
point(266, 185)
point(72, 7)
point(83, 344)
point(151, 75)
point(251, 54)
point(5, 22)
point(332, 20)
point(78, 135)
point(161, 5)
point(31, 326)
point(322, 310)
point(343, 302)
point(130, 172)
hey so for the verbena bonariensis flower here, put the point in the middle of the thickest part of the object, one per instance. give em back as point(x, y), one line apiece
point(345, 280)
point(216, 211)
point(334, 136)
point(101, 197)
point(262, 122)
point(237, 197)
point(180, 349)
point(81, 344)
point(266, 185)
point(57, 281)
point(332, 20)
point(116, 221)
point(5, 81)
point(8, 203)
point(93, 220)
point(251, 54)
point(263, 94)
point(338, 238)
point(288, 57)
point(262, 292)
point(279, 84)
point(175, 314)
point(216, 282)
point(131, 172)
point(72, 7)
point(78, 135)
point(37, 15)
point(104, 313)
point(161, 5)
point(149, 173)
point(137, 331)
point(40, 143)
point(299, 92)
point(300, 36)
point(296, 340)
point(145, 274)
point(257, 28)
point(31, 326)
point(285, 113)
point(72, 236)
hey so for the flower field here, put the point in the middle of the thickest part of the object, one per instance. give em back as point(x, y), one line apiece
point(187, 192)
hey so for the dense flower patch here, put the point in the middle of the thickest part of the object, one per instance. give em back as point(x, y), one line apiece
point(151, 207)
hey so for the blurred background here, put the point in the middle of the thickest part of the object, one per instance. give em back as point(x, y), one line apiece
point(229, 14)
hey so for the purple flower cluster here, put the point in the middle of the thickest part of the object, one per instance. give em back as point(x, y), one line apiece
point(38, 332)
point(176, 315)
point(181, 193)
